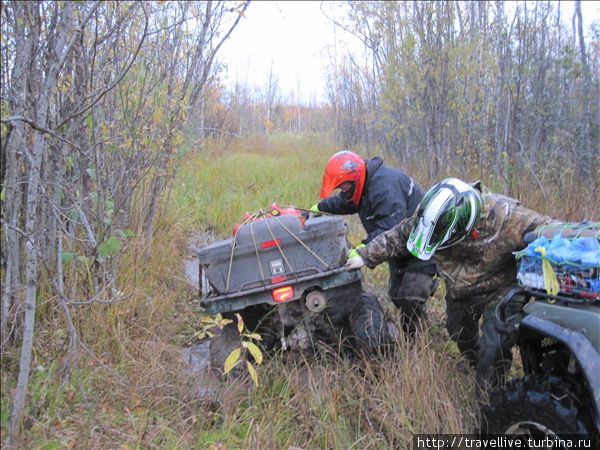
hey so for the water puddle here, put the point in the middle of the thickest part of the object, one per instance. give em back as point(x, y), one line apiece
point(192, 274)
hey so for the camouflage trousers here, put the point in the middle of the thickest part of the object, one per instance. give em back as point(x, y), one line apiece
point(409, 287)
point(488, 351)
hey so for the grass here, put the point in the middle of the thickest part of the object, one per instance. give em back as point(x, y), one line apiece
point(213, 189)
point(130, 387)
point(331, 402)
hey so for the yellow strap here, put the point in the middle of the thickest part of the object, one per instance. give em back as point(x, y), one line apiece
point(550, 280)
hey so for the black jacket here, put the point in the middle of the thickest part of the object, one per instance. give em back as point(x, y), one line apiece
point(389, 195)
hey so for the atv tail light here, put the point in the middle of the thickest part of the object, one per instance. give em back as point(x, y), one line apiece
point(283, 294)
point(269, 244)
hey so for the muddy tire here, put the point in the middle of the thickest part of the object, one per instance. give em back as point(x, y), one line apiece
point(368, 325)
point(536, 405)
point(222, 344)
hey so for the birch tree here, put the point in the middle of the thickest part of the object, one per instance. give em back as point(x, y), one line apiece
point(93, 98)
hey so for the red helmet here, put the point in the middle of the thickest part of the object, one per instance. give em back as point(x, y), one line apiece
point(342, 167)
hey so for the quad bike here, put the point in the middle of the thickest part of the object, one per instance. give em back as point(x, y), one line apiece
point(558, 337)
point(282, 272)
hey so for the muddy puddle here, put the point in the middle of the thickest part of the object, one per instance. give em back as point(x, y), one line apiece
point(190, 265)
point(192, 275)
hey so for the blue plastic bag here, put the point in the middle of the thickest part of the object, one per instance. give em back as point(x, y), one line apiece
point(587, 250)
point(582, 251)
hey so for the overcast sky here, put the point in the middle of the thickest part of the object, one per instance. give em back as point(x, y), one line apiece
point(293, 37)
point(290, 36)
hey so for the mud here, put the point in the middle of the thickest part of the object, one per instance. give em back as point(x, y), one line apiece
point(196, 357)
point(190, 264)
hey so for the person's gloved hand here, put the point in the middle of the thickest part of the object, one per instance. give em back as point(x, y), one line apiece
point(314, 209)
point(354, 260)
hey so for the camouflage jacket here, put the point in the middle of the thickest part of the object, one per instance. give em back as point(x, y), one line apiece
point(476, 265)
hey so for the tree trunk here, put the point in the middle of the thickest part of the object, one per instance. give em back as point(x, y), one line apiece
point(585, 152)
point(56, 60)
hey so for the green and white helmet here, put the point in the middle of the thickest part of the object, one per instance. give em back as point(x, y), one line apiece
point(446, 215)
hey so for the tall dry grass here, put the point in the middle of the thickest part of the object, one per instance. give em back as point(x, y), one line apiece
point(333, 402)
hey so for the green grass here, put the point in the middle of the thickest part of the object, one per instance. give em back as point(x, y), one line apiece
point(214, 190)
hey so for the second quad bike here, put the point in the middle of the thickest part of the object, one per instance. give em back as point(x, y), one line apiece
point(282, 272)
point(558, 337)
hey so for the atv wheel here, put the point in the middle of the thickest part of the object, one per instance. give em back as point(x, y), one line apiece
point(368, 325)
point(534, 405)
point(222, 344)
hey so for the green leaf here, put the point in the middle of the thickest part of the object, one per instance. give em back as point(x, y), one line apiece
point(232, 360)
point(59, 333)
point(109, 204)
point(254, 351)
point(252, 372)
point(109, 247)
point(129, 233)
point(70, 162)
point(89, 121)
point(74, 214)
point(67, 257)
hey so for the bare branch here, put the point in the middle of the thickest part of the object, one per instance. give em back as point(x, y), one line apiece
point(39, 128)
point(115, 82)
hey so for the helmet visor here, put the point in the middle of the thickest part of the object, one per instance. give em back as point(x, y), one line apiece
point(346, 190)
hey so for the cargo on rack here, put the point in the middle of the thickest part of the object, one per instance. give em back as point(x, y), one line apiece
point(562, 258)
point(274, 249)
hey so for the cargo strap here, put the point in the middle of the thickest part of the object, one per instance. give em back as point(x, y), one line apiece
point(301, 243)
point(277, 242)
point(570, 230)
point(262, 275)
point(250, 220)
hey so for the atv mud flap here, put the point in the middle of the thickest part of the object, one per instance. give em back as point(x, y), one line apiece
point(239, 300)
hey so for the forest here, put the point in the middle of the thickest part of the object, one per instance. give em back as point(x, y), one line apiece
point(120, 143)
